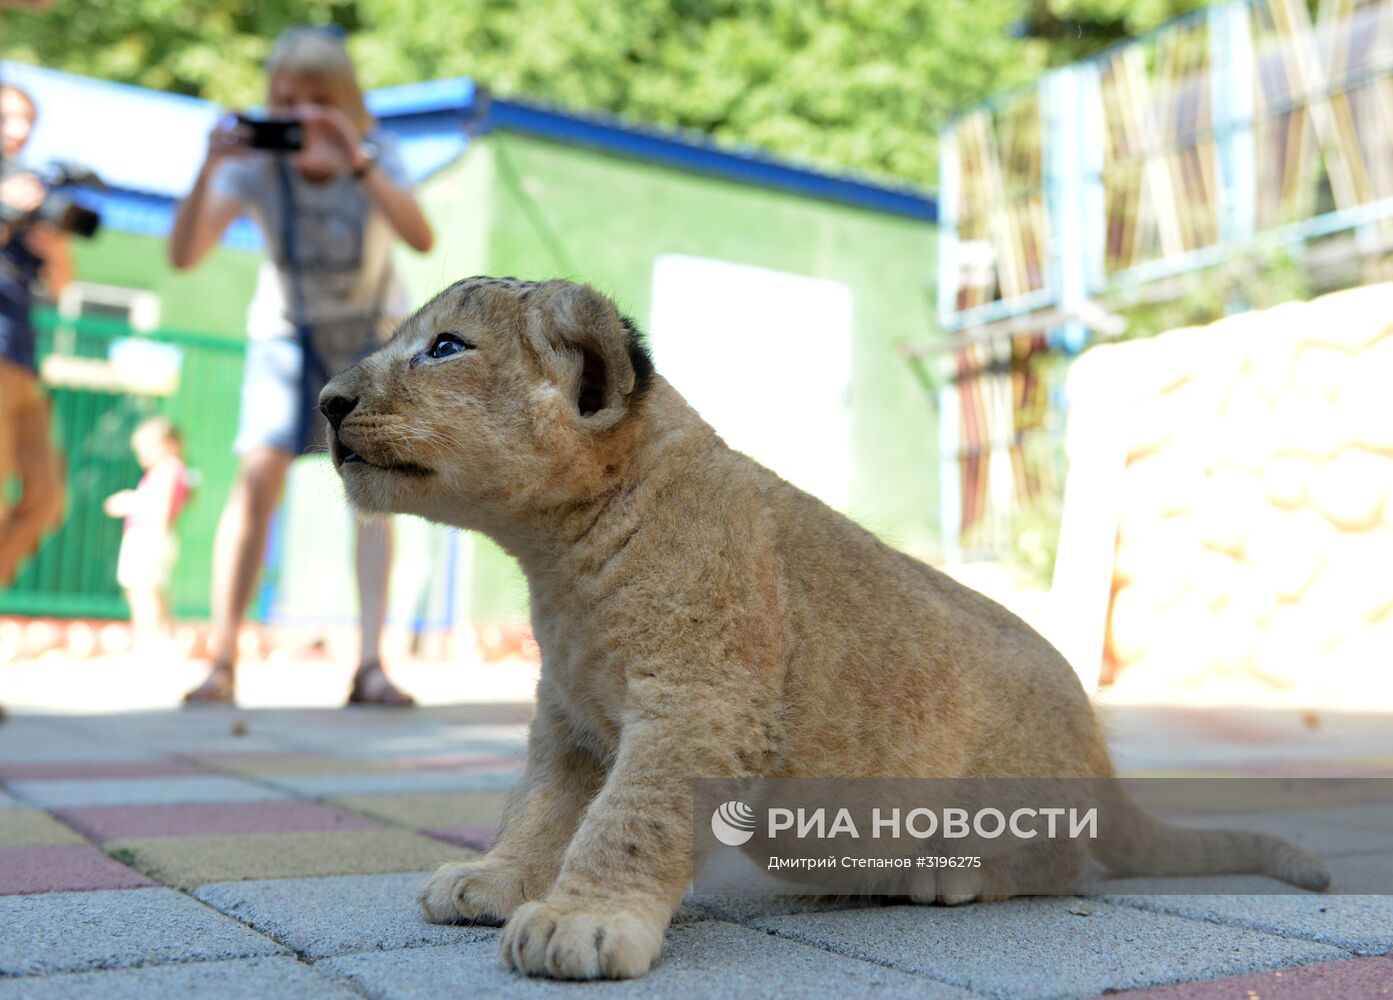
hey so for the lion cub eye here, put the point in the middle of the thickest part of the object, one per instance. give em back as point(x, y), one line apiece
point(447, 345)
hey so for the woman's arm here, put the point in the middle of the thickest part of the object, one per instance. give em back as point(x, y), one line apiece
point(51, 244)
point(399, 206)
point(204, 215)
point(120, 503)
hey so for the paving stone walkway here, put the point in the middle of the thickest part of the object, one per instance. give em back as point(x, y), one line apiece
point(276, 853)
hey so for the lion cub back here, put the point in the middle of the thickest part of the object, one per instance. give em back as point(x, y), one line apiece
point(908, 672)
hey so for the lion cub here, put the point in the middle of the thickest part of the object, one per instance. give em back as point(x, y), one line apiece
point(698, 617)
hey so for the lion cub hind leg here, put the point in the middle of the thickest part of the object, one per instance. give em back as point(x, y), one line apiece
point(1045, 868)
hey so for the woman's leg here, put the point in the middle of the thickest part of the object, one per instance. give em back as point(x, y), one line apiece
point(238, 551)
point(27, 450)
point(373, 558)
point(374, 564)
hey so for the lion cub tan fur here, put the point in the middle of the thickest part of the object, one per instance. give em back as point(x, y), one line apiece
point(697, 616)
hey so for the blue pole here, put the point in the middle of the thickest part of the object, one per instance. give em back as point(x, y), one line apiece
point(1232, 83)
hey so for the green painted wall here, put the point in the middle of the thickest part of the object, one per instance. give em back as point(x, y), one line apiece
point(211, 299)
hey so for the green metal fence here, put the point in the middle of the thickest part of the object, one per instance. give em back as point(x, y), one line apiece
point(103, 378)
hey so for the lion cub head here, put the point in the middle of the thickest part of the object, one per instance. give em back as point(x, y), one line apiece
point(497, 400)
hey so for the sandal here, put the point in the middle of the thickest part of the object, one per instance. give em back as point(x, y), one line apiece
point(372, 686)
point(217, 689)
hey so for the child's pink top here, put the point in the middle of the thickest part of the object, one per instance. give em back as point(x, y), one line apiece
point(143, 515)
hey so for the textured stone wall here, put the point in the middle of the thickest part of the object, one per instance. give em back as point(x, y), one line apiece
point(1256, 523)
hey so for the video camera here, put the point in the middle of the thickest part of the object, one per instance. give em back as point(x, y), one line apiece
point(58, 207)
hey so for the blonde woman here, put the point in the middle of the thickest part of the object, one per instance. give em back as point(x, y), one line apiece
point(327, 295)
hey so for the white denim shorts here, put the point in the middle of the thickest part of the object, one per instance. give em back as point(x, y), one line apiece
point(146, 559)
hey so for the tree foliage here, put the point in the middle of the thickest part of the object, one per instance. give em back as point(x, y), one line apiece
point(860, 85)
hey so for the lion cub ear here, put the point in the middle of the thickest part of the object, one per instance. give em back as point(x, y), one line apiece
point(582, 339)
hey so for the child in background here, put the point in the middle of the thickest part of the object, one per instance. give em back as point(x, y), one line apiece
point(149, 547)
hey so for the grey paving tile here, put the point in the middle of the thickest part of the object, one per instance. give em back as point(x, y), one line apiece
point(1361, 924)
point(709, 959)
point(193, 744)
point(744, 909)
point(1363, 873)
point(70, 793)
point(406, 732)
point(1325, 833)
point(208, 732)
point(31, 743)
point(409, 744)
point(240, 979)
point(333, 916)
point(78, 931)
point(1377, 816)
point(393, 783)
point(1039, 948)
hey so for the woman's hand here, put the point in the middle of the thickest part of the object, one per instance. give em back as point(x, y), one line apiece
point(228, 138)
point(22, 192)
point(326, 125)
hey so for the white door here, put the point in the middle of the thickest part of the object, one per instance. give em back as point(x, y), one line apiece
point(765, 357)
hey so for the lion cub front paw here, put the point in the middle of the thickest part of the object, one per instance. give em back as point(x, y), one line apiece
point(476, 892)
point(565, 943)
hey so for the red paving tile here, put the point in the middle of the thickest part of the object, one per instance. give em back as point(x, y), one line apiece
point(261, 753)
point(215, 758)
point(479, 837)
point(63, 868)
point(99, 769)
point(193, 819)
point(461, 762)
point(1364, 978)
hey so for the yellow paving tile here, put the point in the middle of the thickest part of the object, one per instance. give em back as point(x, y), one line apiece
point(185, 862)
point(429, 809)
point(32, 828)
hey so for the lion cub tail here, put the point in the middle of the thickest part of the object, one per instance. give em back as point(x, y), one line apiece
point(1132, 842)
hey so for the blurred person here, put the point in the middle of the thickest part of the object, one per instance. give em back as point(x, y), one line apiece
point(31, 253)
point(149, 547)
point(327, 297)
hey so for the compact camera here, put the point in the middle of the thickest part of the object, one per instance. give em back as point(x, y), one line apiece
point(279, 135)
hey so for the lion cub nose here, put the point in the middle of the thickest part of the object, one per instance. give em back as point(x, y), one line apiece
point(335, 408)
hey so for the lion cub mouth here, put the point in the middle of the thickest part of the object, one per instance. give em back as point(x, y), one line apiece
point(406, 468)
point(344, 456)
